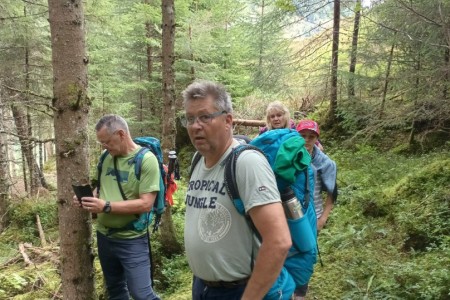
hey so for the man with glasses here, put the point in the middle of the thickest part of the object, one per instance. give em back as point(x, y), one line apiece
point(123, 252)
point(227, 260)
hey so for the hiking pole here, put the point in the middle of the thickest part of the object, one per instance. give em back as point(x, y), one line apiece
point(320, 257)
point(172, 162)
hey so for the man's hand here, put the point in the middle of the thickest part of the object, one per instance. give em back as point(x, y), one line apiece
point(92, 204)
point(75, 201)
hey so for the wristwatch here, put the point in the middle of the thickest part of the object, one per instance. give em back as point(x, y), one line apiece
point(107, 207)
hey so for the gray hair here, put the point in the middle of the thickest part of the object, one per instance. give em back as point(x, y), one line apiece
point(112, 123)
point(277, 106)
point(202, 89)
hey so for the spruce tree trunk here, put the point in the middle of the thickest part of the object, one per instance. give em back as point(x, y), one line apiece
point(332, 114)
point(353, 54)
point(22, 127)
point(71, 138)
point(168, 237)
point(150, 51)
point(4, 171)
point(386, 80)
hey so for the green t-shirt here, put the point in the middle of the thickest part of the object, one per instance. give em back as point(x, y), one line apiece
point(132, 187)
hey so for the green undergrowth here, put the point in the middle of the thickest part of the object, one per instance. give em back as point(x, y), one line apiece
point(387, 238)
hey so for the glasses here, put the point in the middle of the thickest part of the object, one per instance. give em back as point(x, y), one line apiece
point(203, 119)
point(106, 143)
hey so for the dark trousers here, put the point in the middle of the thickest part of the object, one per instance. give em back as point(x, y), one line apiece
point(126, 267)
point(202, 292)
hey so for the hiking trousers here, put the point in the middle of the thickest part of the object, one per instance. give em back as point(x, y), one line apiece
point(126, 267)
point(202, 292)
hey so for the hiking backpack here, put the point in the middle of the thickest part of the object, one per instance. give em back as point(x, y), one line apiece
point(290, 161)
point(143, 220)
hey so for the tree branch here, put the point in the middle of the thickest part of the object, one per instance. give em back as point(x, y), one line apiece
point(33, 3)
point(28, 138)
point(28, 92)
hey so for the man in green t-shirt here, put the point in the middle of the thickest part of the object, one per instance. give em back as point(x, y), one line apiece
point(123, 254)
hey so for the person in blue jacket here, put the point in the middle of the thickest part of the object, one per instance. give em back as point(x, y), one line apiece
point(277, 116)
point(324, 172)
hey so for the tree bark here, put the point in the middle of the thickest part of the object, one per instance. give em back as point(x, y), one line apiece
point(5, 183)
point(153, 104)
point(353, 54)
point(332, 114)
point(192, 73)
point(418, 67)
point(386, 80)
point(168, 236)
point(26, 145)
point(446, 72)
point(71, 139)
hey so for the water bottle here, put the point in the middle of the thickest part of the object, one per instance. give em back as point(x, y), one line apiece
point(292, 207)
point(303, 238)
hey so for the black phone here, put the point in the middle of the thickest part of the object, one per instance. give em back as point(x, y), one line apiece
point(82, 191)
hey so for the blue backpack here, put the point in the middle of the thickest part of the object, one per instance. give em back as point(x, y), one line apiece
point(290, 171)
point(290, 161)
point(143, 220)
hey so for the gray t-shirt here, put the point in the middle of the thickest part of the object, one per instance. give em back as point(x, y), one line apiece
point(218, 240)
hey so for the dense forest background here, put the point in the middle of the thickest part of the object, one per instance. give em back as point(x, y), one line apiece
point(374, 74)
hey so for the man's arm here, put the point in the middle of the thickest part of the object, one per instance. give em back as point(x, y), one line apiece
point(149, 182)
point(270, 222)
point(132, 206)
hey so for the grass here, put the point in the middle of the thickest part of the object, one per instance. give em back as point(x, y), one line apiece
point(387, 238)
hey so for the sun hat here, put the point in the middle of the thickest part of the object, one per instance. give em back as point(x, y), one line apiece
point(308, 124)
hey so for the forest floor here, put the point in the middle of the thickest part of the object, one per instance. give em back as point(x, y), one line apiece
point(380, 241)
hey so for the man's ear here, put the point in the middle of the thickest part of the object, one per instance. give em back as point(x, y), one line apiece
point(121, 133)
point(229, 120)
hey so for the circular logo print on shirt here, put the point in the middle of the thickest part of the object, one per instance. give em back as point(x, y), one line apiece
point(214, 223)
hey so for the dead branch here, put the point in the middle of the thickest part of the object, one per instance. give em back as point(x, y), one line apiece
point(41, 231)
point(28, 138)
point(55, 294)
point(26, 259)
point(10, 261)
point(47, 253)
point(33, 94)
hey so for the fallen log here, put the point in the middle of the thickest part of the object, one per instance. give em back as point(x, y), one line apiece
point(249, 123)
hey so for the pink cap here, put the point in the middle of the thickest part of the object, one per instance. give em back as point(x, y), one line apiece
point(308, 124)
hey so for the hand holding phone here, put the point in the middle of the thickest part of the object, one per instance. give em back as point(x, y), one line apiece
point(82, 191)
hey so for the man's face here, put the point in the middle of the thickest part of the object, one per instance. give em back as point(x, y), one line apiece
point(310, 137)
point(110, 141)
point(208, 135)
point(277, 120)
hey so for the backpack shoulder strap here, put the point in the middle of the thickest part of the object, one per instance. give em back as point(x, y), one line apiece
point(231, 183)
point(137, 161)
point(99, 168)
point(195, 160)
point(307, 189)
point(118, 179)
point(230, 174)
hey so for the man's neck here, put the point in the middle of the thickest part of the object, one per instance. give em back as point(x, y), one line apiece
point(128, 148)
point(213, 158)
